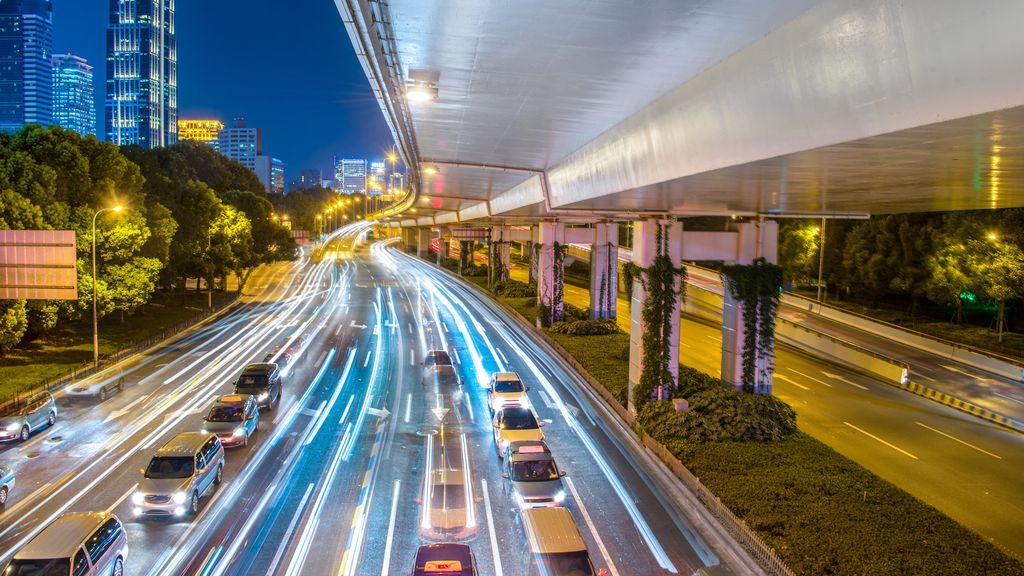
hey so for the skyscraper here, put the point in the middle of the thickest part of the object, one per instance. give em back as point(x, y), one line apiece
point(73, 104)
point(26, 80)
point(142, 77)
point(350, 175)
point(241, 143)
point(270, 171)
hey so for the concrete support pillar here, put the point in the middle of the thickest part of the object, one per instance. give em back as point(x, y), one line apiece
point(500, 252)
point(604, 271)
point(755, 240)
point(532, 252)
point(422, 242)
point(442, 247)
point(645, 248)
point(550, 271)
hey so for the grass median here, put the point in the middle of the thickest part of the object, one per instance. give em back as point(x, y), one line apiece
point(69, 347)
point(822, 512)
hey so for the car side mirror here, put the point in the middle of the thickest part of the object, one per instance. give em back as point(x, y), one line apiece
point(561, 473)
point(504, 474)
point(526, 388)
point(542, 424)
point(603, 572)
point(495, 426)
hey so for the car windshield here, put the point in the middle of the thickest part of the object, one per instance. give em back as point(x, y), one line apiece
point(438, 358)
point(251, 381)
point(54, 567)
point(565, 564)
point(226, 414)
point(534, 471)
point(518, 419)
point(448, 496)
point(169, 467)
point(506, 386)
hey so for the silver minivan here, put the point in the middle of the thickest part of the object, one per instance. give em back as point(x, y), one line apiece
point(19, 420)
point(79, 544)
point(180, 473)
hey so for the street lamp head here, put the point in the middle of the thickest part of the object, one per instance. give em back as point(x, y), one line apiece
point(392, 158)
point(117, 208)
point(993, 236)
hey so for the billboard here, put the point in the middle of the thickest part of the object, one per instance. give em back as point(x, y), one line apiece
point(38, 265)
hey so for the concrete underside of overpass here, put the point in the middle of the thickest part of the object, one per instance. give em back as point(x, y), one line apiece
point(589, 109)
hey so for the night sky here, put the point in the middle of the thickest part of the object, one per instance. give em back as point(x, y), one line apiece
point(286, 66)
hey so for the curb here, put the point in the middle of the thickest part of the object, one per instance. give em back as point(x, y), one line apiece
point(963, 406)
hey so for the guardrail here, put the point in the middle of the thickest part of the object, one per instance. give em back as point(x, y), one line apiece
point(108, 360)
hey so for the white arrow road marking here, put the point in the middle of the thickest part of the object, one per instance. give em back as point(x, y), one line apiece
point(811, 378)
point(353, 324)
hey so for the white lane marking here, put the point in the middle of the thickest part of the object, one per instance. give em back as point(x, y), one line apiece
point(409, 326)
point(408, 407)
point(957, 370)
point(412, 360)
point(954, 438)
point(122, 498)
point(872, 436)
point(490, 529)
point(503, 359)
point(809, 377)
point(391, 529)
point(367, 359)
point(347, 408)
point(338, 331)
point(590, 523)
point(9, 512)
point(457, 359)
point(841, 379)
point(1009, 398)
point(320, 359)
point(443, 327)
point(928, 378)
point(547, 400)
point(291, 526)
point(790, 380)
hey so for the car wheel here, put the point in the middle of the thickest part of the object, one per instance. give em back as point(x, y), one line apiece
point(220, 472)
point(51, 419)
point(3, 495)
point(118, 568)
point(245, 441)
point(194, 506)
point(103, 394)
point(25, 433)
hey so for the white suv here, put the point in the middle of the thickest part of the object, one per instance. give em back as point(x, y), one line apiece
point(506, 389)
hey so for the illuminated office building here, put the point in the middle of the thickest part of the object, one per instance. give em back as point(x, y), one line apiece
point(142, 76)
point(205, 131)
point(26, 80)
point(73, 104)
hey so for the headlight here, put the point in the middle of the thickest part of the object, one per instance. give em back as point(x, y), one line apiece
point(262, 397)
point(179, 511)
point(205, 431)
point(238, 432)
point(138, 498)
point(13, 427)
point(559, 496)
point(179, 497)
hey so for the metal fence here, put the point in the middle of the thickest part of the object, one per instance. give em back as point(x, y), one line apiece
point(88, 369)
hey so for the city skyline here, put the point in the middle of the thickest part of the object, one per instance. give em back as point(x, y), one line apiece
point(323, 108)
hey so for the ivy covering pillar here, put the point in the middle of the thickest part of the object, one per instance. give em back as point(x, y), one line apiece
point(752, 285)
point(657, 285)
point(604, 272)
point(550, 256)
point(499, 254)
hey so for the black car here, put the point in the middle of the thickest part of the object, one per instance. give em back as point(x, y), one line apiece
point(262, 381)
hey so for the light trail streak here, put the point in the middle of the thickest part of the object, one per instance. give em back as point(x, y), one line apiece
point(334, 397)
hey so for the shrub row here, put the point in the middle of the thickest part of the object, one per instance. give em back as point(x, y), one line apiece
point(515, 289)
point(585, 327)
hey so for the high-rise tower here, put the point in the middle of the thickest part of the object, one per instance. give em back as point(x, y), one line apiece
point(73, 104)
point(26, 81)
point(142, 75)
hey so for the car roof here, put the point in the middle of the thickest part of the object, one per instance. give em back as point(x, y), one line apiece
point(184, 444)
point(552, 531)
point(63, 537)
point(261, 368)
point(535, 450)
point(442, 552)
point(514, 410)
point(232, 400)
point(506, 376)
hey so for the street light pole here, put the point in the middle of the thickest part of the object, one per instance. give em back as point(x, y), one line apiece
point(95, 318)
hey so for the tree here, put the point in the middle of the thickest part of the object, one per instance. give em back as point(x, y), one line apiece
point(871, 257)
point(272, 241)
point(799, 242)
point(13, 323)
point(1000, 269)
point(231, 245)
point(950, 273)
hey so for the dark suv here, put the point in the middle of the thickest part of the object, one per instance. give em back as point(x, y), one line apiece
point(263, 381)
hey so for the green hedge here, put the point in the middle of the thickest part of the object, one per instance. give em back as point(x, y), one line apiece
point(585, 327)
point(515, 289)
